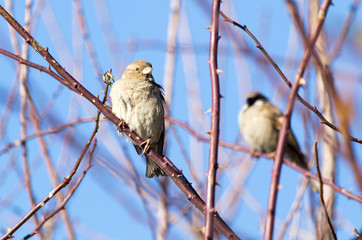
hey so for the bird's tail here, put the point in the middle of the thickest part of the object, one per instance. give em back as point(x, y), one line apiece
point(153, 169)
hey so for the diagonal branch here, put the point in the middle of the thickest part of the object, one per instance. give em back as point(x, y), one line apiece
point(269, 226)
point(67, 198)
point(314, 109)
point(237, 147)
point(60, 186)
point(175, 174)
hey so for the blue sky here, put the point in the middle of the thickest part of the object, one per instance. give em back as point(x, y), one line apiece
point(107, 206)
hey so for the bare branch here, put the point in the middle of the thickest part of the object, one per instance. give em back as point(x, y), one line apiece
point(321, 198)
point(215, 121)
point(269, 226)
point(163, 162)
point(286, 80)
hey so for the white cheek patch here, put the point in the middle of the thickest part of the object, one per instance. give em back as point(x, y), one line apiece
point(259, 103)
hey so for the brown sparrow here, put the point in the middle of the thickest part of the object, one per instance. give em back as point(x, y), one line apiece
point(260, 124)
point(138, 100)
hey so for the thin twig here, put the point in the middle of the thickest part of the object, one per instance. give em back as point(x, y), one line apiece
point(63, 183)
point(40, 68)
point(51, 194)
point(49, 164)
point(286, 80)
point(324, 82)
point(67, 198)
point(341, 106)
point(233, 146)
point(46, 132)
point(321, 198)
point(358, 236)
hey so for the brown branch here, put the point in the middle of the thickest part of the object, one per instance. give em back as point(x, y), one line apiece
point(49, 165)
point(314, 109)
point(328, 182)
point(358, 236)
point(46, 132)
point(259, 46)
point(61, 80)
point(215, 122)
point(51, 194)
point(305, 172)
point(269, 226)
point(40, 68)
point(67, 198)
point(340, 105)
point(165, 164)
point(321, 198)
point(64, 183)
point(200, 138)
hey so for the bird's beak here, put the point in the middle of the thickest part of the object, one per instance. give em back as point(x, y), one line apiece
point(147, 70)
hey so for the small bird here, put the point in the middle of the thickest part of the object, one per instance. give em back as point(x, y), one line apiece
point(138, 100)
point(260, 123)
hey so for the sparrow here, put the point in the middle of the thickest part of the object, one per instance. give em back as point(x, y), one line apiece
point(138, 100)
point(260, 122)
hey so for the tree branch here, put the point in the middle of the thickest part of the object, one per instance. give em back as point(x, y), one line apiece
point(269, 226)
point(215, 121)
point(314, 109)
point(163, 162)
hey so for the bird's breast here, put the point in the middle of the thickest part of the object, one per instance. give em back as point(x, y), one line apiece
point(258, 131)
point(140, 105)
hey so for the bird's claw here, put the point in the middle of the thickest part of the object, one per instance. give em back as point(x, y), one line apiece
point(252, 152)
point(119, 127)
point(146, 147)
point(271, 155)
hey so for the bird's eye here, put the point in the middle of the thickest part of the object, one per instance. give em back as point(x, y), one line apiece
point(137, 69)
